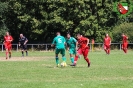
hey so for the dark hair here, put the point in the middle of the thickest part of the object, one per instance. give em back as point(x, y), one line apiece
point(68, 33)
point(79, 34)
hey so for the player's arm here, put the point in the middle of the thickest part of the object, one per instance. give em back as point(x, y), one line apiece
point(4, 42)
point(11, 39)
point(26, 40)
point(65, 43)
point(87, 42)
point(53, 43)
point(76, 43)
point(19, 42)
point(67, 46)
point(127, 37)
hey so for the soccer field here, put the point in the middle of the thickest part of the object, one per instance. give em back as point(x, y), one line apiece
point(39, 70)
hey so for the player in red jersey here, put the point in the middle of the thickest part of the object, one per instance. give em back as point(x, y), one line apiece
point(83, 49)
point(124, 42)
point(7, 43)
point(107, 43)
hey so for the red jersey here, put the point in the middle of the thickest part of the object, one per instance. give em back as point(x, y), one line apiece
point(8, 39)
point(124, 39)
point(82, 42)
point(107, 40)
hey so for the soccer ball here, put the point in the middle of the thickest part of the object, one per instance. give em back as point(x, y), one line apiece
point(63, 64)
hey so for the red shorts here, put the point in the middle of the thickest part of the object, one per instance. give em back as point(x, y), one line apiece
point(8, 46)
point(83, 51)
point(106, 46)
point(124, 45)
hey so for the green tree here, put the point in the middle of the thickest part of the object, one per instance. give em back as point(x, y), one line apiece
point(3, 27)
point(40, 19)
point(126, 28)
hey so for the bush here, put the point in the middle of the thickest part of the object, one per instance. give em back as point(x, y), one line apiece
point(126, 28)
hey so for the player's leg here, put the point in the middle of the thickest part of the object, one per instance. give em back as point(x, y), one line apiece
point(22, 50)
point(6, 48)
point(105, 48)
point(56, 56)
point(71, 51)
point(63, 54)
point(108, 49)
point(125, 47)
point(9, 49)
point(25, 48)
point(7, 53)
point(79, 52)
point(85, 54)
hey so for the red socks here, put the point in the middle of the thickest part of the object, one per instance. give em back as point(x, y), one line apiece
point(125, 50)
point(87, 60)
point(6, 55)
point(75, 59)
point(107, 51)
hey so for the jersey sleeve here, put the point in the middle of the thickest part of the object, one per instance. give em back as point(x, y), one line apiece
point(74, 39)
point(84, 38)
point(11, 38)
point(126, 37)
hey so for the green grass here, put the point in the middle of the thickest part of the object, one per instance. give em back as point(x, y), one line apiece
point(106, 71)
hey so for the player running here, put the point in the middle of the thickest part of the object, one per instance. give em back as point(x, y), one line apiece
point(107, 43)
point(124, 42)
point(83, 49)
point(72, 45)
point(22, 44)
point(7, 43)
point(59, 43)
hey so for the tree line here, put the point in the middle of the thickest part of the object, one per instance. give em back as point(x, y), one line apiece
point(39, 20)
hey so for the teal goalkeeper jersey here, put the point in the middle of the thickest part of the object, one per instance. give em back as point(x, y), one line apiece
point(59, 42)
point(71, 42)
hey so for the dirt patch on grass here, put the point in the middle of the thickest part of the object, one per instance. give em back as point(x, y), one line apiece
point(25, 58)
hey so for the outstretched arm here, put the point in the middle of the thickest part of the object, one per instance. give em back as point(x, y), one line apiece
point(87, 42)
point(26, 41)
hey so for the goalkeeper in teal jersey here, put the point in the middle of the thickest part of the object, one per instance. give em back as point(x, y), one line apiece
point(72, 45)
point(59, 43)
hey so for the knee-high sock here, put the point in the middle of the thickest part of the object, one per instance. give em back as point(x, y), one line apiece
point(26, 53)
point(10, 54)
point(108, 51)
point(87, 59)
point(125, 50)
point(6, 54)
point(105, 51)
point(22, 53)
point(72, 59)
point(57, 60)
point(64, 58)
point(75, 59)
